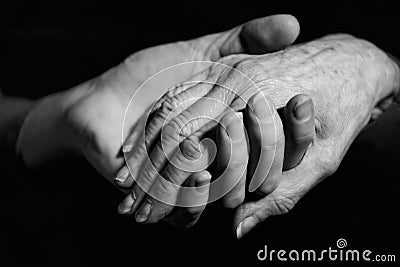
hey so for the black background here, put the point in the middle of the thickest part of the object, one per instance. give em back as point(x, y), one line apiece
point(68, 216)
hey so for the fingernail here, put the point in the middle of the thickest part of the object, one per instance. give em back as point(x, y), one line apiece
point(130, 142)
point(203, 182)
point(302, 111)
point(127, 148)
point(144, 212)
point(261, 107)
point(122, 175)
point(239, 231)
point(127, 204)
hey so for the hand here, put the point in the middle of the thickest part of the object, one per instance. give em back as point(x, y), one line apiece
point(231, 168)
point(88, 119)
point(346, 78)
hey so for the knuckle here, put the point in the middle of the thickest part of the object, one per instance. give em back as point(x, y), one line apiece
point(173, 177)
point(234, 126)
point(228, 118)
point(185, 124)
point(179, 125)
point(243, 65)
point(190, 148)
point(170, 134)
point(168, 107)
point(323, 126)
point(246, 209)
point(238, 164)
point(146, 179)
point(273, 139)
point(329, 167)
point(171, 93)
point(329, 161)
point(268, 186)
point(308, 138)
point(250, 68)
point(233, 202)
point(163, 189)
point(282, 205)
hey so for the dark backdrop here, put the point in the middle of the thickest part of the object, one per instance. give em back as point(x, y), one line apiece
point(47, 46)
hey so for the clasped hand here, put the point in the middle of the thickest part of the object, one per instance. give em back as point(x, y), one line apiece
point(327, 88)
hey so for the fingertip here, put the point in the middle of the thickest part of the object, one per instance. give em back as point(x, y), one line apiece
point(261, 106)
point(124, 179)
point(271, 33)
point(286, 27)
point(299, 107)
point(299, 130)
point(245, 226)
point(202, 181)
point(142, 214)
point(302, 111)
point(122, 175)
point(186, 216)
point(126, 205)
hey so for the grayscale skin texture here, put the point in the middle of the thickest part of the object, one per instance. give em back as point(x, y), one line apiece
point(346, 79)
point(88, 120)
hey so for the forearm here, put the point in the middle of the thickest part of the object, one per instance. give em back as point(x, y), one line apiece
point(12, 115)
point(44, 135)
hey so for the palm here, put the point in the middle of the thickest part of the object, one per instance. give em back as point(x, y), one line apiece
point(99, 114)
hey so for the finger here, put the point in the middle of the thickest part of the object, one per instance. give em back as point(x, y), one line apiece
point(204, 111)
point(299, 129)
point(299, 133)
point(150, 166)
point(122, 179)
point(250, 214)
point(264, 35)
point(232, 157)
point(257, 36)
point(267, 143)
point(139, 144)
point(293, 185)
point(163, 194)
point(184, 217)
point(138, 192)
point(181, 127)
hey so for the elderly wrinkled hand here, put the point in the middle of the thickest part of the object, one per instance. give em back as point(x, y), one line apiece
point(88, 119)
point(346, 78)
point(228, 163)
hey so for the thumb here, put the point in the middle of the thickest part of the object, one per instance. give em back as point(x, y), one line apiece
point(293, 185)
point(259, 36)
point(250, 214)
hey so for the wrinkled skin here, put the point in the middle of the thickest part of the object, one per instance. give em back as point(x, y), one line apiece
point(88, 119)
point(346, 78)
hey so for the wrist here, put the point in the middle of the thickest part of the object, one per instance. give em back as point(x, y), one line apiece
point(14, 112)
point(44, 134)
